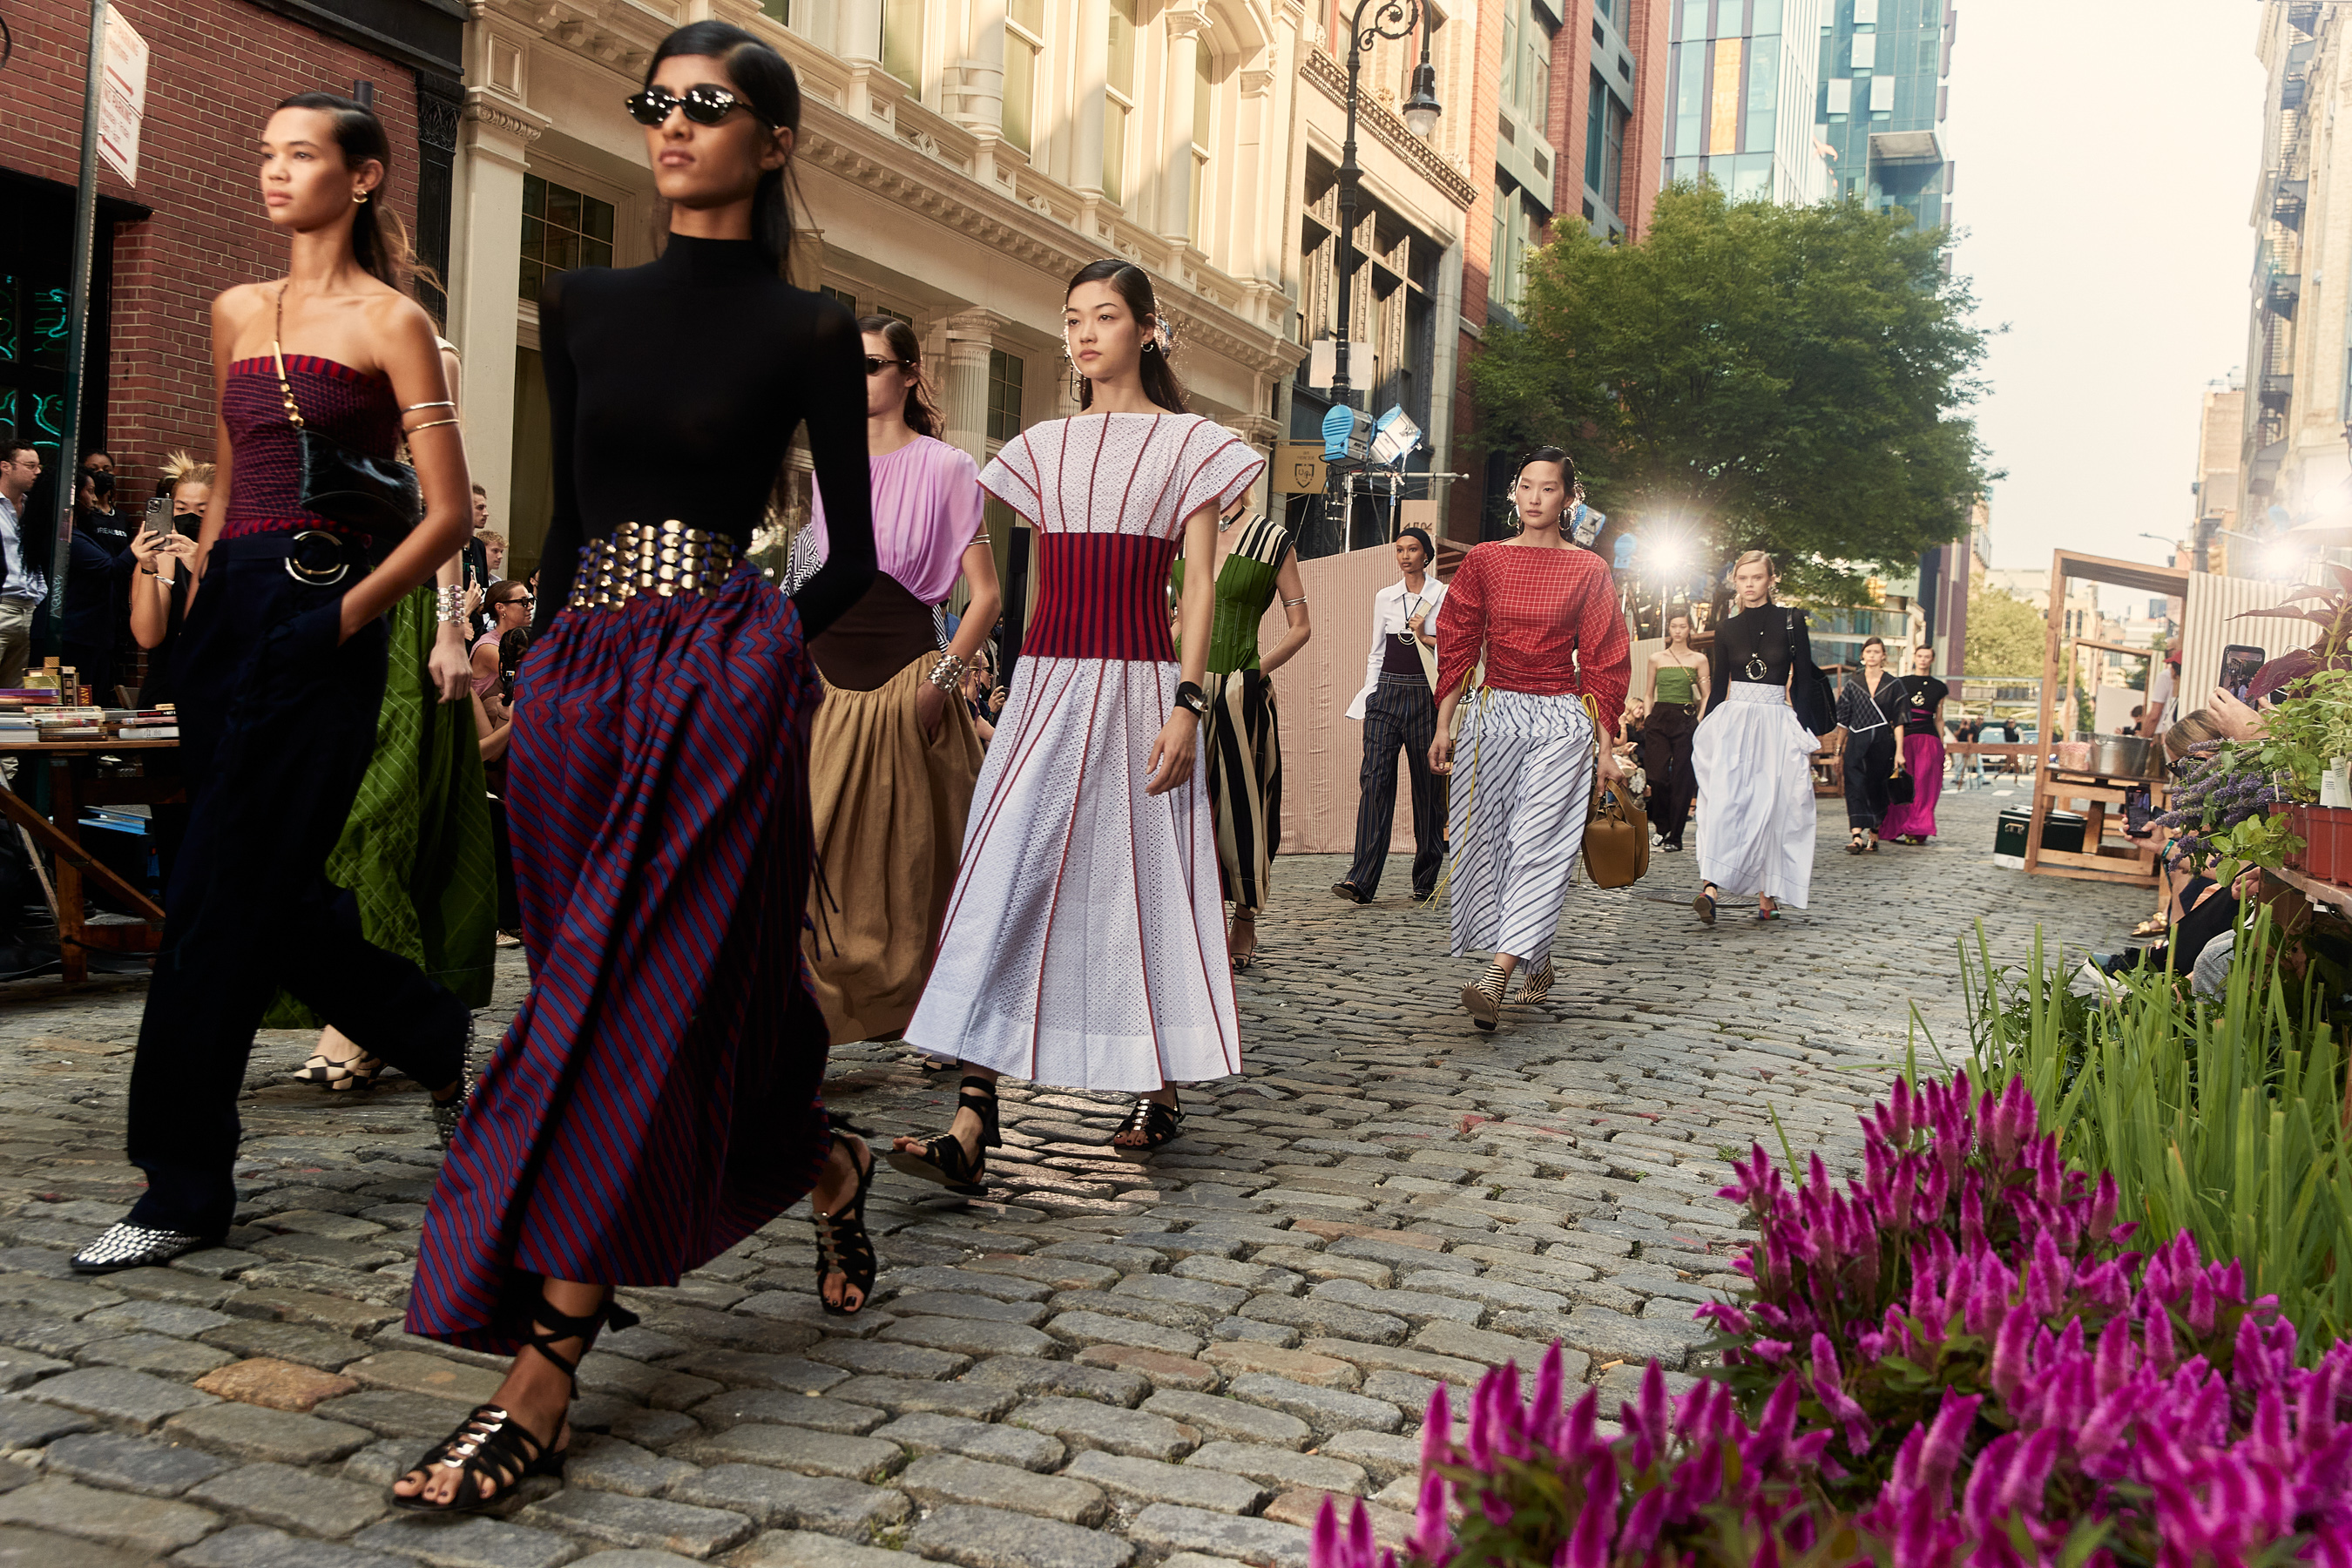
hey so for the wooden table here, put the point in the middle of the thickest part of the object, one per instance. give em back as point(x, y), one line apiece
point(60, 834)
point(2130, 861)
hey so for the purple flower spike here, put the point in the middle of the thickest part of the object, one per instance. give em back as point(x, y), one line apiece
point(1437, 1429)
point(1326, 1547)
point(1433, 1532)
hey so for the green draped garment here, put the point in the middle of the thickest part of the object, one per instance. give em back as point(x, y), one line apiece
point(418, 848)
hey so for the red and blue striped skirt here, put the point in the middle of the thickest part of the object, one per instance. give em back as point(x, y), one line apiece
point(657, 1098)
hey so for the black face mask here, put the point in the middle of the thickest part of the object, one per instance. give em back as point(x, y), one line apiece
point(101, 483)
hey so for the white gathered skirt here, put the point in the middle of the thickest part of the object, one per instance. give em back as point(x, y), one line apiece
point(1754, 765)
point(1084, 944)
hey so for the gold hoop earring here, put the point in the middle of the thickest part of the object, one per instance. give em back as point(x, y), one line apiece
point(359, 198)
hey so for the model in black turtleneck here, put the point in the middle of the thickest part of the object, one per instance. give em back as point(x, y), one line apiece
point(675, 388)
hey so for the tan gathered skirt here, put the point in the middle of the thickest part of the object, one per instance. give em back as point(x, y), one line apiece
point(888, 808)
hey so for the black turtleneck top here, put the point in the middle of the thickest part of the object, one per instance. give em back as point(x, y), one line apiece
point(1758, 647)
point(674, 390)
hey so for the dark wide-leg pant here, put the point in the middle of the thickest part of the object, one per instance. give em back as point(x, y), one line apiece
point(1400, 714)
point(1667, 758)
point(1869, 764)
point(277, 723)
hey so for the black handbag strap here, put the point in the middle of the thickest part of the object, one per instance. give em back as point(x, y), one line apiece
point(278, 331)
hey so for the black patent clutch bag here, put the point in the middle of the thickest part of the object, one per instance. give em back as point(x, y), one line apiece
point(376, 496)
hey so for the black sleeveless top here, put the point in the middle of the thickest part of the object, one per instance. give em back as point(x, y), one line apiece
point(675, 389)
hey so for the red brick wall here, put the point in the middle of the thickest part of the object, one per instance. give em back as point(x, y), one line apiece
point(1462, 497)
point(216, 68)
point(1567, 114)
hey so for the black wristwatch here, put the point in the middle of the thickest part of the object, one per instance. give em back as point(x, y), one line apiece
point(1192, 699)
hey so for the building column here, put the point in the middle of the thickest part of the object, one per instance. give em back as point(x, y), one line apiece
point(1257, 165)
point(493, 144)
point(981, 97)
point(1184, 28)
point(1093, 54)
point(971, 335)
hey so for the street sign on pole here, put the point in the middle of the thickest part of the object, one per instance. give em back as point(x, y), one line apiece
point(122, 102)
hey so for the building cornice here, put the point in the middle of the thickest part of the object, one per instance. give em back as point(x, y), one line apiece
point(1390, 132)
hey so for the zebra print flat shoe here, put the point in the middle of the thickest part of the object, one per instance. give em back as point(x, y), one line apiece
point(1536, 985)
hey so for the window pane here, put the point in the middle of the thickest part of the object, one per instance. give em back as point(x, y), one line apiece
point(1882, 95)
point(1029, 13)
point(534, 195)
point(782, 10)
point(1751, 177)
point(1763, 92)
point(596, 219)
point(1767, 17)
point(563, 208)
point(902, 40)
point(1020, 87)
point(1612, 165)
point(1115, 150)
point(1003, 395)
point(1841, 95)
point(1121, 71)
point(595, 252)
point(1596, 95)
point(1203, 96)
point(1687, 101)
point(1723, 111)
point(533, 238)
point(1865, 51)
point(561, 228)
point(1694, 20)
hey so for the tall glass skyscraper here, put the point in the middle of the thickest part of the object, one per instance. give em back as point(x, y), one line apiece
point(1882, 96)
point(1743, 97)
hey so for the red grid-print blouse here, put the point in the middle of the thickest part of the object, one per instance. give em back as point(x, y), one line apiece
point(1548, 621)
point(355, 407)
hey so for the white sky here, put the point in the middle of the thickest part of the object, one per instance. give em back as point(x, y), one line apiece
point(2107, 163)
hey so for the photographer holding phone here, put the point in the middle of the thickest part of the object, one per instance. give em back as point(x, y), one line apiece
point(161, 551)
point(103, 563)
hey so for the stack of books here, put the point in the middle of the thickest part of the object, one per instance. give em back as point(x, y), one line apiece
point(146, 724)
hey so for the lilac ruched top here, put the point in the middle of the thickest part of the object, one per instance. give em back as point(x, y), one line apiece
point(926, 501)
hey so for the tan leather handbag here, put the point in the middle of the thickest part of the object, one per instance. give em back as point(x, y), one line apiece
point(1616, 829)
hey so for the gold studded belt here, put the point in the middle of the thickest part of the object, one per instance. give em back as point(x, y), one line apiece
point(643, 558)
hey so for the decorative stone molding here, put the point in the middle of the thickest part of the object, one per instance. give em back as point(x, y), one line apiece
point(1185, 23)
point(1331, 79)
point(519, 123)
point(1255, 80)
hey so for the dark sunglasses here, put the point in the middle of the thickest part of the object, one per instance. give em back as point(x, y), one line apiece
point(705, 103)
point(519, 599)
point(876, 366)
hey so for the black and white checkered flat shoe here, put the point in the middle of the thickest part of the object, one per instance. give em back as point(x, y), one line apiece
point(127, 1246)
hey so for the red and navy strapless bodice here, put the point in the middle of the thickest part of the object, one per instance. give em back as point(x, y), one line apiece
point(355, 407)
point(1102, 596)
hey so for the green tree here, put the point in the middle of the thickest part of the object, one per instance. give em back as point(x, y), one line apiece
point(2006, 635)
point(1755, 376)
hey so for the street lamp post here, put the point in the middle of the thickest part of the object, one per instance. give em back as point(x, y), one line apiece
point(1394, 19)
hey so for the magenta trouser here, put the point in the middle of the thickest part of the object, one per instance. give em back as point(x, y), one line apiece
point(1923, 759)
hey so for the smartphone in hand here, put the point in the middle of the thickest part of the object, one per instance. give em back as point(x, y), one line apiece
point(2239, 665)
point(159, 516)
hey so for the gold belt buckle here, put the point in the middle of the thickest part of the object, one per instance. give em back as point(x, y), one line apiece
point(314, 576)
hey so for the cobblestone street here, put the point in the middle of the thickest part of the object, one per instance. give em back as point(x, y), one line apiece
point(1109, 1361)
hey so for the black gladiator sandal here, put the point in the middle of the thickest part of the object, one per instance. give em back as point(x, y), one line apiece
point(842, 1246)
point(1159, 1123)
point(1483, 998)
point(490, 1444)
point(944, 1160)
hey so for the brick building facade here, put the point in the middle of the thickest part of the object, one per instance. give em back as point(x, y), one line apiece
point(193, 225)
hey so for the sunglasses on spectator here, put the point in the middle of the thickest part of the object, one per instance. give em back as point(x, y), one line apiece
point(705, 103)
point(876, 366)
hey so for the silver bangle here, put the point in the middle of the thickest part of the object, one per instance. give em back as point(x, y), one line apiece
point(948, 673)
point(449, 604)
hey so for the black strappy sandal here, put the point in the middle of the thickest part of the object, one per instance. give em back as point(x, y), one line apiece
point(944, 1160)
point(1854, 845)
point(842, 1246)
point(1159, 1123)
point(490, 1444)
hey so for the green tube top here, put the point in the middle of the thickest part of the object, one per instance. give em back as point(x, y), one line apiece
point(1246, 587)
point(1678, 685)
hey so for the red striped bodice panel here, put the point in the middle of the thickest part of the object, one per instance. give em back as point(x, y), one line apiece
point(356, 407)
point(1102, 596)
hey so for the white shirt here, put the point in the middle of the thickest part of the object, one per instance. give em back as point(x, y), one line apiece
point(12, 549)
point(1393, 608)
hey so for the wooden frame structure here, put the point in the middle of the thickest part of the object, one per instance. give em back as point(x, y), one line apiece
point(2128, 862)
